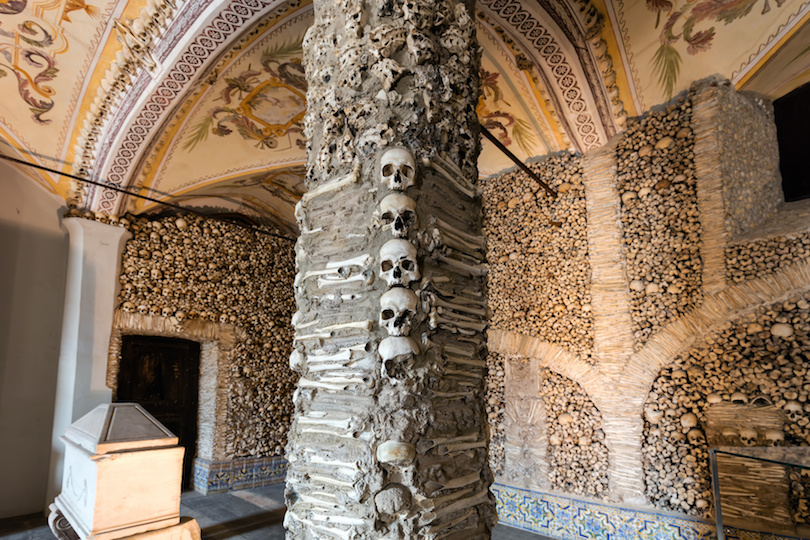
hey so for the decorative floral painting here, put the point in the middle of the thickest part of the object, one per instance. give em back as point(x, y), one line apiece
point(671, 43)
point(260, 104)
point(694, 25)
point(32, 36)
point(494, 115)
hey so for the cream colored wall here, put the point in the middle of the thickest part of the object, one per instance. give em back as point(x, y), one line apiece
point(32, 290)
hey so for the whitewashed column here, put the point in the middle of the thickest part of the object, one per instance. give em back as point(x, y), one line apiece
point(94, 259)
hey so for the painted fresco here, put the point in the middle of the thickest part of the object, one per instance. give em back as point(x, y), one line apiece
point(784, 71)
point(265, 196)
point(508, 108)
point(260, 105)
point(253, 114)
point(670, 43)
point(46, 50)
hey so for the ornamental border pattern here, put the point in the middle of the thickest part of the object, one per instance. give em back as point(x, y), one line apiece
point(225, 25)
point(571, 519)
point(557, 64)
point(212, 477)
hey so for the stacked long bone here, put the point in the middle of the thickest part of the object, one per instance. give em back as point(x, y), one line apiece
point(391, 433)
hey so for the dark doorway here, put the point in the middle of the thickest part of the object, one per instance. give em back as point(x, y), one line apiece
point(162, 375)
point(792, 115)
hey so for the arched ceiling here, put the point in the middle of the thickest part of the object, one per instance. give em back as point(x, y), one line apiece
point(202, 103)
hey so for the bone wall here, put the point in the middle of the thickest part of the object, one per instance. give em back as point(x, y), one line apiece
point(660, 218)
point(761, 257)
point(578, 456)
point(539, 281)
point(189, 270)
point(752, 184)
point(745, 384)
point(546, 432)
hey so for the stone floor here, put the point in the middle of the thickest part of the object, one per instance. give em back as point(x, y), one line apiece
point(251, 514)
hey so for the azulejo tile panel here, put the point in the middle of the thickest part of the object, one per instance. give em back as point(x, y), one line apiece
point(572, 519)
point(220, 476)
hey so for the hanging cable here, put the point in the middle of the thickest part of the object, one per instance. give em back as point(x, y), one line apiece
point(499, 145)
point(113, 187)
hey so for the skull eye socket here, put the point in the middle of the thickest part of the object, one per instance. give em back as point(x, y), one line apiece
point(386, 266)
point(387, 217)
point(407, 170)
point(407, 216)
point(407, 265)
point(388, 169)
point(387, 314)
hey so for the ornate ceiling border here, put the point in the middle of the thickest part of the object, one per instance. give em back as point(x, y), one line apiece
point(147, 103)
point(589, 125)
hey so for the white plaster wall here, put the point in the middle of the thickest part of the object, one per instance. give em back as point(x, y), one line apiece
point(33, 262)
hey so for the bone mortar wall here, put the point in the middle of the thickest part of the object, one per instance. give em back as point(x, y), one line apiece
point(578, 456)
point(389, 332)
point(496, 407)
point(757, 258)
point(752, 184)
point(549, 439)
point(182, 270)
point(540, 277)
point(660, 218)
point(752, 370)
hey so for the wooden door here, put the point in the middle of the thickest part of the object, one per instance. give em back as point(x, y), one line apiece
point(162, 375)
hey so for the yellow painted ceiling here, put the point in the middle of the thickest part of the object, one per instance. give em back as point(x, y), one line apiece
point(555, 76)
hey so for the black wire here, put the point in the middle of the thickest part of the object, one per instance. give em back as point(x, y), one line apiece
point(110, 185)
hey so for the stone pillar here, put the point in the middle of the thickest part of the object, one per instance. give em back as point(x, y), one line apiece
point(389, 437)
point(94, 258)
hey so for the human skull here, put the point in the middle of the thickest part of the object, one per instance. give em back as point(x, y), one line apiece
point(775, 437)
point(731, 436)
point(653, 416)
point(143, 309)
point(420, 46)
point(398, 263)
point(689, 420)
point(128, 307)
point(166, 311)
point(696, 437)
point(748, 437)
point(565, 419)
point(794, 411)
point(398, 169)
point(156, 273)
point(679, 376)
point(180, 316)
point(397, 353)
point(399, 213)
point(714, 398)
point(555, 440)
point(739, 398)
point(397, 309)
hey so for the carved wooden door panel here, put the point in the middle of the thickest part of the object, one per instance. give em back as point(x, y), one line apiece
point(162, 375)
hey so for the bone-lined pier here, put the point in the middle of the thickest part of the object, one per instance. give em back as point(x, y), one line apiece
point(389, 436)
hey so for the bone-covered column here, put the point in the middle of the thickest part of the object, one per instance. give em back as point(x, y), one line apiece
point(389, 437)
